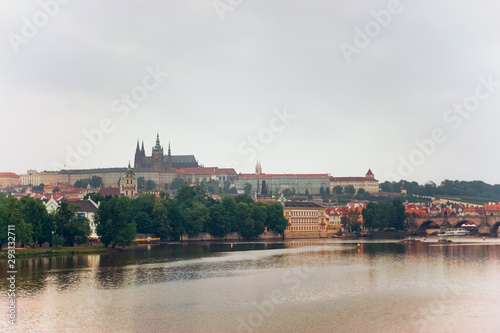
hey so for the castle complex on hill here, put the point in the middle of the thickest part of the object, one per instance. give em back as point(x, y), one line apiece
point(159, 161)
point(162, 169)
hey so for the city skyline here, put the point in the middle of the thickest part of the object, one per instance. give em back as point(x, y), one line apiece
point(409, 90)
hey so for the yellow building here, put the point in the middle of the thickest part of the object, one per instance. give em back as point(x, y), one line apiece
point(9, 179)
point(32, 177)
point(305, 220)
point(367, 183)
point(48, 178)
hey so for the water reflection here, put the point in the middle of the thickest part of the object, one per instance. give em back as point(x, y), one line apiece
point(208, 279)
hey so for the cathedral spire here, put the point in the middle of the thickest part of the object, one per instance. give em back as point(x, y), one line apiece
point(169, 154)
point(143, 152)
point(158, 146)
point(137, 148)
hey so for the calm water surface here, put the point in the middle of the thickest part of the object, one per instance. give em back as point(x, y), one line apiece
point(292, 286)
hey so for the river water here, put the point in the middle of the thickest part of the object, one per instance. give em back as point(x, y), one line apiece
point(291, 286)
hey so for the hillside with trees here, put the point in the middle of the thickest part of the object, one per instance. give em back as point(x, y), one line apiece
point(468, 191)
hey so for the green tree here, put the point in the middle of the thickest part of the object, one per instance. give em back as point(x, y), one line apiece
point(385, 215)
point(229, 206)
point(275, 219)
point(247, 188)
point(322, 191)
point(259, 216)
point(196, 217)
point(338, 190)
point(4, 218)
point(38, 187)
point(287, 193)
point(143, 223)
point(177, 183)
point(307, 192)
point(244, 220)
point(150, 185)
point(114, 223)
point(95, 196)
point(246, 198)
point(57, 240)
point(42, 223)
point(96, 182)
point(63, 218)
point(350, 190)
point(160, 223)
point(78, 230)
point(263, 190)
point(175, 219)
point(141, 184)
point(399, 214)
point(218, 225)
point(351, 222)
point(56, 189)
point(13, 215)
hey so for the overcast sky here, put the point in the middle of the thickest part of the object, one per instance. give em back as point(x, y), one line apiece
point(304, 86)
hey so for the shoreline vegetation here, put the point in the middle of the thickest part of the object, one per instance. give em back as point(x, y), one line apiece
point(54, 251)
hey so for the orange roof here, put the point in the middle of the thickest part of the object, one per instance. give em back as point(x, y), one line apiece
point(200, 171)
point(230, 171)
point(417, 211)
point(8, 174)
point(491, 206)
point(352, 179)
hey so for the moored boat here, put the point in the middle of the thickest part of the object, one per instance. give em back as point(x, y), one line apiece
point(454, 232)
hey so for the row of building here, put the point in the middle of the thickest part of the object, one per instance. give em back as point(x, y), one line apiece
point(425, 209)
point(163, 168)
point(110, 177)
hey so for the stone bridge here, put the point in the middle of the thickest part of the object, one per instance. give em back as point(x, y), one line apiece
point(486, 224)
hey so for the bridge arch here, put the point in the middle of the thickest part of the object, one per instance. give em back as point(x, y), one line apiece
point(494, 228)
point(428, 224)
point(460, 223)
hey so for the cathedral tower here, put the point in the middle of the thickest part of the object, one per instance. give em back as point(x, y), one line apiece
point(157, 154)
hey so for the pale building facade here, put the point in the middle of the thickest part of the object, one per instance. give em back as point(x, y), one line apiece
point(128, 184)
point(9, 179)
point(48, 178)
point(86, 208)
point(32, 177)
point(305, 220)
point(367, 183)
point(298, 183)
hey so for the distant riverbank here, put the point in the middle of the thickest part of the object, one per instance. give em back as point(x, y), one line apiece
point(51, 251)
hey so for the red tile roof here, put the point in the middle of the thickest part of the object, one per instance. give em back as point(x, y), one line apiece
point(419, 212)
point(110, 191)
point(9, 174)
point(491, 207)
point(369, 173)
point(200, 171)
point(352, 179)
point(227, 171)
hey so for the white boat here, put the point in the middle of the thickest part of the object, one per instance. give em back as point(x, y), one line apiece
point(455, 232)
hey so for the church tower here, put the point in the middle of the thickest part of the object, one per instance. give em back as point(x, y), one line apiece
point(258, 168)
point(128, 182)
point(157, 154)
point(138, 156)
